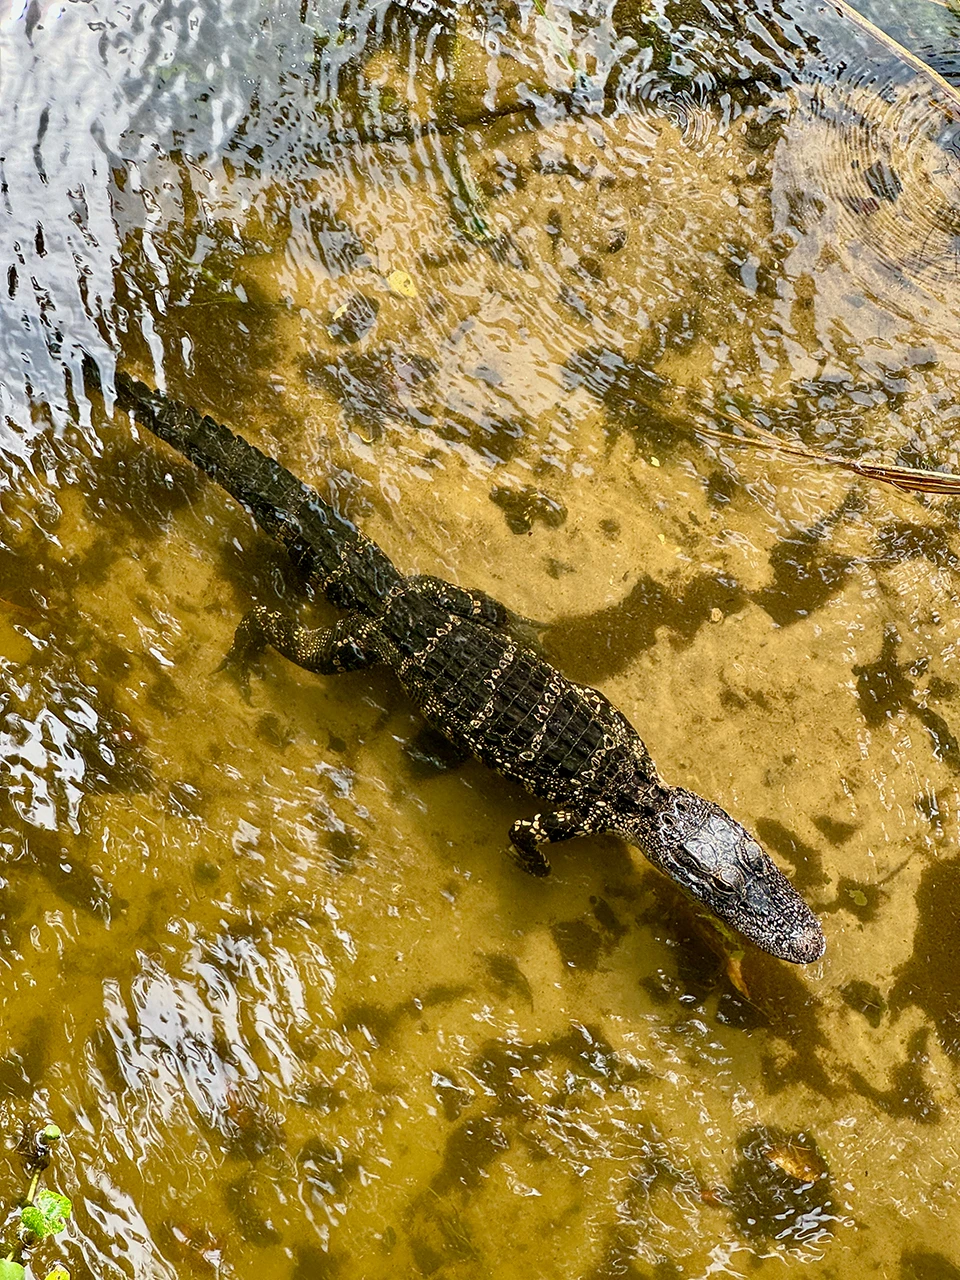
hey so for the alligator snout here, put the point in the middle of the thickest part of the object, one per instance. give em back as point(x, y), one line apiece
point(713, 857)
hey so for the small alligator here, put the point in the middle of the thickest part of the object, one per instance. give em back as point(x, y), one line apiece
point(457, 656)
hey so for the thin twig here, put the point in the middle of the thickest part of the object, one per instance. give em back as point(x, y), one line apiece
point(912, 60)
point(909, 479)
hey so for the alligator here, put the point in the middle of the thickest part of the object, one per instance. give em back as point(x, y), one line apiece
point(458, 656)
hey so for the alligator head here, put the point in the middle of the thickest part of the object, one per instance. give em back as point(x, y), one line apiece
point(704, 850)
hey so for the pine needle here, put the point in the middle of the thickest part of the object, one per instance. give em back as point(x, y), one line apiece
point(908, 479)
point(747, 434)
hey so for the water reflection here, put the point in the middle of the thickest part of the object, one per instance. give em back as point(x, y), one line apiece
point(459, 266)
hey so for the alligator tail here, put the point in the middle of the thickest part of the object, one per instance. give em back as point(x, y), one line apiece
point(350, 569)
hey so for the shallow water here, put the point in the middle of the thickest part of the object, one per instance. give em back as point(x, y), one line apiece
point(479, 273)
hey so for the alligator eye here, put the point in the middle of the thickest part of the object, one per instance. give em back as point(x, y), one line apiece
point(753, 855)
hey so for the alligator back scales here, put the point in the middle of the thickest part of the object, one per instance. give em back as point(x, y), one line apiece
point(492, 696)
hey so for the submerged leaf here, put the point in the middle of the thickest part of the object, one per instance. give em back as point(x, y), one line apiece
point(797, 1159)
point(47, 1215)
point(734, 968)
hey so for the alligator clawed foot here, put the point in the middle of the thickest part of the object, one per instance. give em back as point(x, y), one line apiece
point(237, 666)
point(534, 864)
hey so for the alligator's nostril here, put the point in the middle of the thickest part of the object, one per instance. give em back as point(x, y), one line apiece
point(813, 944)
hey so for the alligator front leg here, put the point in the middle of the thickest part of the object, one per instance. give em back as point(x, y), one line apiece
point(324, 650)
point(528, 835)
point(479, 607)
point(476, 605)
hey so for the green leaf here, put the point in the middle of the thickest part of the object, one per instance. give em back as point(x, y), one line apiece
point(58, 1273)
point(46, 1216)
point(11, 1270)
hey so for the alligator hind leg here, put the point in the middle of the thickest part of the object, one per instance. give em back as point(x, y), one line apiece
point(528, 835)
point(324, 650)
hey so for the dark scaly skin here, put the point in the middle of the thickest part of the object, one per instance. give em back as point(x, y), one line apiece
point(490, 695)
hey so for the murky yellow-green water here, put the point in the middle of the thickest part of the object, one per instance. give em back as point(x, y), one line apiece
point(476, 271)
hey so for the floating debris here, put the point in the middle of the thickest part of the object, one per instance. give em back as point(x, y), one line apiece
point(43, 1212)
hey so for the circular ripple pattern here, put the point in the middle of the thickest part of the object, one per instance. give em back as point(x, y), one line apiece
point(872, 169)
